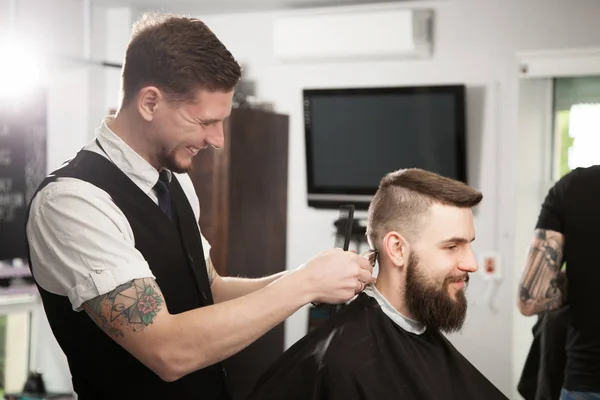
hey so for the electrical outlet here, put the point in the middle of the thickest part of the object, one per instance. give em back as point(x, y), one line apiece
point(490, 267)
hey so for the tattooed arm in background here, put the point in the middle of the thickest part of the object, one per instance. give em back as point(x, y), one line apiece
point(543, 285)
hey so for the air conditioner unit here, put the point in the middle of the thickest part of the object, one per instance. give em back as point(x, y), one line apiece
point(371, 35)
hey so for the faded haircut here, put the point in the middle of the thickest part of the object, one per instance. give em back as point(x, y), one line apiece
point(405, 195)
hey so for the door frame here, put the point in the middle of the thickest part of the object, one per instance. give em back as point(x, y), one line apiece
point(558, 63)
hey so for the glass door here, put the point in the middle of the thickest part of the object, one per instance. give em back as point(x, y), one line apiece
point(576, 138)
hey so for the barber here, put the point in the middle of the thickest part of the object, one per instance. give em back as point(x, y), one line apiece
point(123, 270)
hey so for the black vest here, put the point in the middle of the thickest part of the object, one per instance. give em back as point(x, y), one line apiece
point(100, 368)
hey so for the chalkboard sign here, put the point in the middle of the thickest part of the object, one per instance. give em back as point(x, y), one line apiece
point(22, 166)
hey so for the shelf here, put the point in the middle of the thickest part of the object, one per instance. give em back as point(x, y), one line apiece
point(18, 299)
point(11, 272)
point(18, 290)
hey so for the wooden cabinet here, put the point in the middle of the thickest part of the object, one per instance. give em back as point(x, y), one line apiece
point(243, 214)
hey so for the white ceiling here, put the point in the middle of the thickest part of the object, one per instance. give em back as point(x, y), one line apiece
point(231, 6)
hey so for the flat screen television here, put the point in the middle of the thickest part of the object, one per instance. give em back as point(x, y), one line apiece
point(355, 136)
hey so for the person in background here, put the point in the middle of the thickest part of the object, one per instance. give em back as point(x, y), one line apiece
point(388, 343)
point(543, 374)
point(123, 269)
point(568, 231)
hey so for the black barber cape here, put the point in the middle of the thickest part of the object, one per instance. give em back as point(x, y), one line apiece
point(361, 354)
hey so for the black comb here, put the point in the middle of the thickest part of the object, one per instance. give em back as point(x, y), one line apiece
point(342, 240)
point(344, 227)
point(343, 235)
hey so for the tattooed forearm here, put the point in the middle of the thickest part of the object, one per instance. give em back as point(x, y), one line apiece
point(128, 308)
point(542, 286)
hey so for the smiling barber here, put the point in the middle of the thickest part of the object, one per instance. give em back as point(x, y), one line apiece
point(116, 251)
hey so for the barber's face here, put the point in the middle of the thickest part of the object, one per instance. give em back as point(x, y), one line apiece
point(438, 267)
point(183, 129)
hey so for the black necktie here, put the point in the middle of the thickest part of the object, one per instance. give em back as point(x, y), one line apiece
point(162, 192)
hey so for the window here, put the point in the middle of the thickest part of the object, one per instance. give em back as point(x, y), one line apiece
point(576, 124)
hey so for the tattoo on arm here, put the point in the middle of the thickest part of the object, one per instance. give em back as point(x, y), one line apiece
point(542, 286)
point(128, 308)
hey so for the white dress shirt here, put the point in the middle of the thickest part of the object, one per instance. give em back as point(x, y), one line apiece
point(81, 243)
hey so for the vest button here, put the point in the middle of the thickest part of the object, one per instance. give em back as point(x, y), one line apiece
point(204, 296)
point(190, 259)
point(224, 371)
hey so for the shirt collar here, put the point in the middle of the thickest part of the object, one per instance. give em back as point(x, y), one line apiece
point(403, 322)
point(140, 171)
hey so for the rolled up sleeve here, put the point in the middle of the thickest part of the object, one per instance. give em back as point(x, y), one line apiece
point(81, 244)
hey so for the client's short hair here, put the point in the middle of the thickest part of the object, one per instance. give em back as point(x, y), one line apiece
point(404, 195)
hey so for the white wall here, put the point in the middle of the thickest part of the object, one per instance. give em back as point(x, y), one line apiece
point(117, 37)
point(54, 27)
point(475, 43)
point(77, 90)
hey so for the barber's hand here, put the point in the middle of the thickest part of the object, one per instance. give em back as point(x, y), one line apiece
point(336, 276)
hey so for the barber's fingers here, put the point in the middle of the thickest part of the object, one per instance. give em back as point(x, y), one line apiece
point(366, 276)
point(359, 287)
point(371, 256)
point(363, 263)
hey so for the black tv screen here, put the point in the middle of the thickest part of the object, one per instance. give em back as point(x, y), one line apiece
point(356, 136)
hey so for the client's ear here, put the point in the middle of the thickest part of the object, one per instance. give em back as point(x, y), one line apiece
point(395, 247)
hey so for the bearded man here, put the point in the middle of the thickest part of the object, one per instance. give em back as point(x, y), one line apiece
point(388, 343)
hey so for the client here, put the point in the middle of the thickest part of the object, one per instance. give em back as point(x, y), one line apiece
point(388, 342)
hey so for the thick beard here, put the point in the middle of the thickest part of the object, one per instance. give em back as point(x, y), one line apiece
point(432, 305)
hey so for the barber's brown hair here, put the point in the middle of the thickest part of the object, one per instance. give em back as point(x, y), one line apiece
point(406, 194)
point(178, 55)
